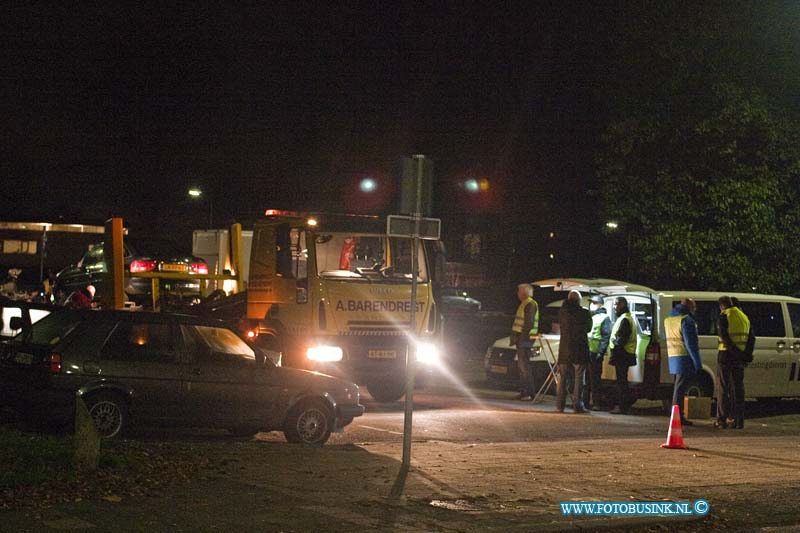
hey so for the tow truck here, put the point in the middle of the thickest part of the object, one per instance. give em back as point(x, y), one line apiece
point(332, 293)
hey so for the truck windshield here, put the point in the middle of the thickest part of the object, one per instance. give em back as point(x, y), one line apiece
point(371, 257)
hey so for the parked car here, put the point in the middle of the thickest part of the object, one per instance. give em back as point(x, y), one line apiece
point(455, 301)
point(140, 256)
point(145, 368)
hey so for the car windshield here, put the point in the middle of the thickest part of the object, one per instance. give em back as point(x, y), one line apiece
point(224, 341)
point(361, 256)
point(49, 330)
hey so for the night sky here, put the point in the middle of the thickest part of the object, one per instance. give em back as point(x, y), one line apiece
point(118, 112)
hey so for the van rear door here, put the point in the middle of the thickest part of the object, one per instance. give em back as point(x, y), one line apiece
point(793, 372)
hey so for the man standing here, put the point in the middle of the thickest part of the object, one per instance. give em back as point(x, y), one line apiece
point(623, 352)
point(683, 350)
point(526, 325)
point(573, 350)
point(734, 333)
point(599, 337)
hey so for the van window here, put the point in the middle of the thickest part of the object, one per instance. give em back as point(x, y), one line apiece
point(794, 316)
point(644, 316)
point(706, 316)
point(140, 342)
point(766, 318)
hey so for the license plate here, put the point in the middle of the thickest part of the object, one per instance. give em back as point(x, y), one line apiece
point(382, 354)
point(498, 369)
point(173, 268)
point(23, 358)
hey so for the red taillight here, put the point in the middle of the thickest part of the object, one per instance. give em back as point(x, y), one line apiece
point(54, 362)
point(142, 266)
point(199, 268)
point(653, 354)
point(252, 334)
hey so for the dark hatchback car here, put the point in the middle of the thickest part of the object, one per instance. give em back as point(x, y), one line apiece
point(165, 369)
point(142, 255)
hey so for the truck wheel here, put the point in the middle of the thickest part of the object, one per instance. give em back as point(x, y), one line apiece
point(310, 422)
point(110, 414)
point(386, 390)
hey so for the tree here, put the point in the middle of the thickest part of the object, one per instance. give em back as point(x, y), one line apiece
point(708, 188)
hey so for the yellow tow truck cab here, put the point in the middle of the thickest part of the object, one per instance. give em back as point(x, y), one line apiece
point(332, 293)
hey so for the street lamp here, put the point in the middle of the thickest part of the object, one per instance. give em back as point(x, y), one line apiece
point(196, 193)
point(475, 186)
point(368, 185)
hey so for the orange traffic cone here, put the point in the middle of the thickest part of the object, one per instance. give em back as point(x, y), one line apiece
point(675, 434)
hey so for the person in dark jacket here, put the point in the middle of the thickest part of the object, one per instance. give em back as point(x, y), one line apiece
point(683, 350)
point(599, 337)
point(623, 352)
point(573, 350)
point(735, 338)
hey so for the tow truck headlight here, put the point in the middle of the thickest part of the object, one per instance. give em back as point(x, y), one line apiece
point(325, 354)
point(427, 353)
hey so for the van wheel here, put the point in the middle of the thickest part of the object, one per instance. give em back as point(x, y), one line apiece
point(310, 422)
point(110, 414)
point(386, 390)
point(701, 386)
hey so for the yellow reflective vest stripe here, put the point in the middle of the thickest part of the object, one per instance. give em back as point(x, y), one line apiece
point(738, 328)
point(630, 344)
point(596, 335)
point(674, 332)
point(519, 319)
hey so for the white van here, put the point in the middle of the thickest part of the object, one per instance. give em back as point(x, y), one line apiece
point(774, 372)
point(775, 321)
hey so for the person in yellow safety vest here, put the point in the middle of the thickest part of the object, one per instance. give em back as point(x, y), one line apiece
point(623, 352)
point(599, 338)
point(526, 326)
point(683, 350)
point(734, 335)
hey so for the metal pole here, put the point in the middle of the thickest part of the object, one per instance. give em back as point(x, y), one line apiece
point(42, 254)
point(411, 352)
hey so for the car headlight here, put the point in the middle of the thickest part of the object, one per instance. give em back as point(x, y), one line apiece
point(325, 354)
point(427, 353)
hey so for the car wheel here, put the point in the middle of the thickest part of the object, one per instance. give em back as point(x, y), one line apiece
point(310, 422)
point(386, 391)
point(110, 414)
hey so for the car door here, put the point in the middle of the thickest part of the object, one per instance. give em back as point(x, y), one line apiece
point(792, 373)
point(224, 385)
point(142, 356)
point(766, 375)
